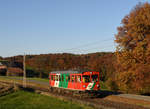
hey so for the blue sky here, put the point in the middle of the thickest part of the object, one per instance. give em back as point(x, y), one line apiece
point(56, 26)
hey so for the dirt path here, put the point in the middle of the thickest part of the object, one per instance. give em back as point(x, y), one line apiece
point(133, 96)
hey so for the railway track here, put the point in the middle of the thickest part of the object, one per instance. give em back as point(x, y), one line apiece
point(100, 103)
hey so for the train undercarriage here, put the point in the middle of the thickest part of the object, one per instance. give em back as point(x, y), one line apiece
point(75, 93)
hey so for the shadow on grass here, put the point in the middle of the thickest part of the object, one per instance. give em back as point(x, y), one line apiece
point(27, 89)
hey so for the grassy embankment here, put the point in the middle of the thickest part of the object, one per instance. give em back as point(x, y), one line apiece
point(28, 100)
point(15, 77)
point(18, 80)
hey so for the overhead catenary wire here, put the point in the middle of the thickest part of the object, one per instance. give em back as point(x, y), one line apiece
point(88, 50)
point(101, 45)
point(84, 46)
point(89, 44)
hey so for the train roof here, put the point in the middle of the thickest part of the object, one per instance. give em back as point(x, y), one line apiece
point(69, 71)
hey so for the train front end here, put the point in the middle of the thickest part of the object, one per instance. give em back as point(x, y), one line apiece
point(90, 81)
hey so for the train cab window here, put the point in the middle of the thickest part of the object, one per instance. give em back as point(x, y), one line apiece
point(72, 78)
point(86, 78)
point(95, 78)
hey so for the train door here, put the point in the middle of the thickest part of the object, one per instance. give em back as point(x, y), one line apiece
point(65, 79)
point(52, 80)
point(78, 82)
point(73, 81)
point(57, 83)
point(60, 80)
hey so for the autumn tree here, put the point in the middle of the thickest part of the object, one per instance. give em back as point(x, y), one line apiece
point(41, 65)
point(133, 50)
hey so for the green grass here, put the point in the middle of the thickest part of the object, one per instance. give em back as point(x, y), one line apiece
point(28, 100)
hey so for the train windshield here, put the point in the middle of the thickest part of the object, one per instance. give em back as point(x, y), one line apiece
point(86, 78)
point(95, 78)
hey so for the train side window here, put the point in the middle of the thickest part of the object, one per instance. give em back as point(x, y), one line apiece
point(62, 78)
point(56, 78)
point(52, 77)
point(68, 77)
point(75, 78)
point(72, 78)
point(59, 78)
point(79, 78)
point(86, 78)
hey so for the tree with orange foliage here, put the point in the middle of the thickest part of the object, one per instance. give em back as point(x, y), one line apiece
point(133, 50)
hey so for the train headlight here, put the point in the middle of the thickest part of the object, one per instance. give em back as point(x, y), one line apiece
point(98, 85)
point(84, 86)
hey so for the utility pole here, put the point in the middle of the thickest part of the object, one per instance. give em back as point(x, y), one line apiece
point(24, 70)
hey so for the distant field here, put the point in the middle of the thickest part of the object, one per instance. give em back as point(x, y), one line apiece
point(28, 100)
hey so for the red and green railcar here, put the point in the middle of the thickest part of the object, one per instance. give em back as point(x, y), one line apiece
point(75, 80)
